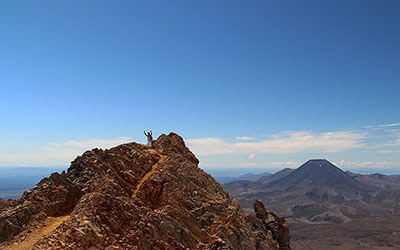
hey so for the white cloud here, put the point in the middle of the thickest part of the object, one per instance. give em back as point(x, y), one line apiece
point(344, 164)
point(87, 144)
point(246, 164)
point(290, 142)
point(277, 164)
point(251, 156)
point(244, 138)
point(390, 125)
point(391, 144)
point(58, 154)
point(367, 164)
point(209, 146)
point(383, 125)
point(262, 165)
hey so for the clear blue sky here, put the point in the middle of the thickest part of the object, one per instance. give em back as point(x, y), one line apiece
point(100, 70)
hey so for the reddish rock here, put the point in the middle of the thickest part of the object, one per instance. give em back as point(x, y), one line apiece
point(274, 223)
point(135, 197)
point(4, 204)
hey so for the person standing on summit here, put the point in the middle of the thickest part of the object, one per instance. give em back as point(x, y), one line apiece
point(149, 136)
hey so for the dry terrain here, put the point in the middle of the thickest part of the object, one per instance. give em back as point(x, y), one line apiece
point(328, 208)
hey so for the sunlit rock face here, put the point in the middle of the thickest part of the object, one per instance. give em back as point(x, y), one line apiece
point(136, 197)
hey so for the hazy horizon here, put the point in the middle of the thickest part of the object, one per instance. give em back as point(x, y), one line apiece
point(224, 171)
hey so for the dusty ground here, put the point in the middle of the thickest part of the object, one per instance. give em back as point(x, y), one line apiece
point(27, 242)
point(362, 234)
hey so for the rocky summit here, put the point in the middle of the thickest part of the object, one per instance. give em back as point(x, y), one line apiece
point(135, 197)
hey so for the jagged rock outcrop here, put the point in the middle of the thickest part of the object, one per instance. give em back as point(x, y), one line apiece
point(134, 197)
point(272, 222)
point(4, 204)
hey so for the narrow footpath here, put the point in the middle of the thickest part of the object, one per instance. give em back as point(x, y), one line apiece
point(50, 224)
point(148, 174)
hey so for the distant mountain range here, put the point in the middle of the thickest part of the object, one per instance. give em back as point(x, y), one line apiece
point(15, 180)
point(273, 177)
point(248, 177)
point(318, 197)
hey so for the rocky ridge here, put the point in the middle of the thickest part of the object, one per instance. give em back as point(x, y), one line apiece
point(134, 197)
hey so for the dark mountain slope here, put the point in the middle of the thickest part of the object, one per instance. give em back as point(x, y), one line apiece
point(276, 176)
point(320, 173)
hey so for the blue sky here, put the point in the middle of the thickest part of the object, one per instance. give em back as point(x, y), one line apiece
point(80, 74)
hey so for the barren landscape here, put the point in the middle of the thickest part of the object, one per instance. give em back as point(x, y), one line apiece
point(328, 208)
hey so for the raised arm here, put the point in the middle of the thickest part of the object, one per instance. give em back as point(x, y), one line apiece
point(151, 132)
point(145, 133)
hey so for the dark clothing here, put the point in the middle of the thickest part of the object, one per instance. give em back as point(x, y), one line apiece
point(149, 136)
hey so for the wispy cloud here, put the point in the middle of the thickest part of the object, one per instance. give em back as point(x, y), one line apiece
point(273, 165)
point(391, 144)
point(290, 142)
point(209, 146)
point(383, 125)
point(251, 156)
point(366, 164)
point(86, 144)
point(383, 140)
point(60, 153)
point(252, 164)
point(244, 138)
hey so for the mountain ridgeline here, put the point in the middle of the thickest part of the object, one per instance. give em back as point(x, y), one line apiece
point(328, 207)
point(135, 197)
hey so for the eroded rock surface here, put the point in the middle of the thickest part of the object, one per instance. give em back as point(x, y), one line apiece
point(134, 197)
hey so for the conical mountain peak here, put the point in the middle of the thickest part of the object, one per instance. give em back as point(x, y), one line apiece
point(320, 173)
